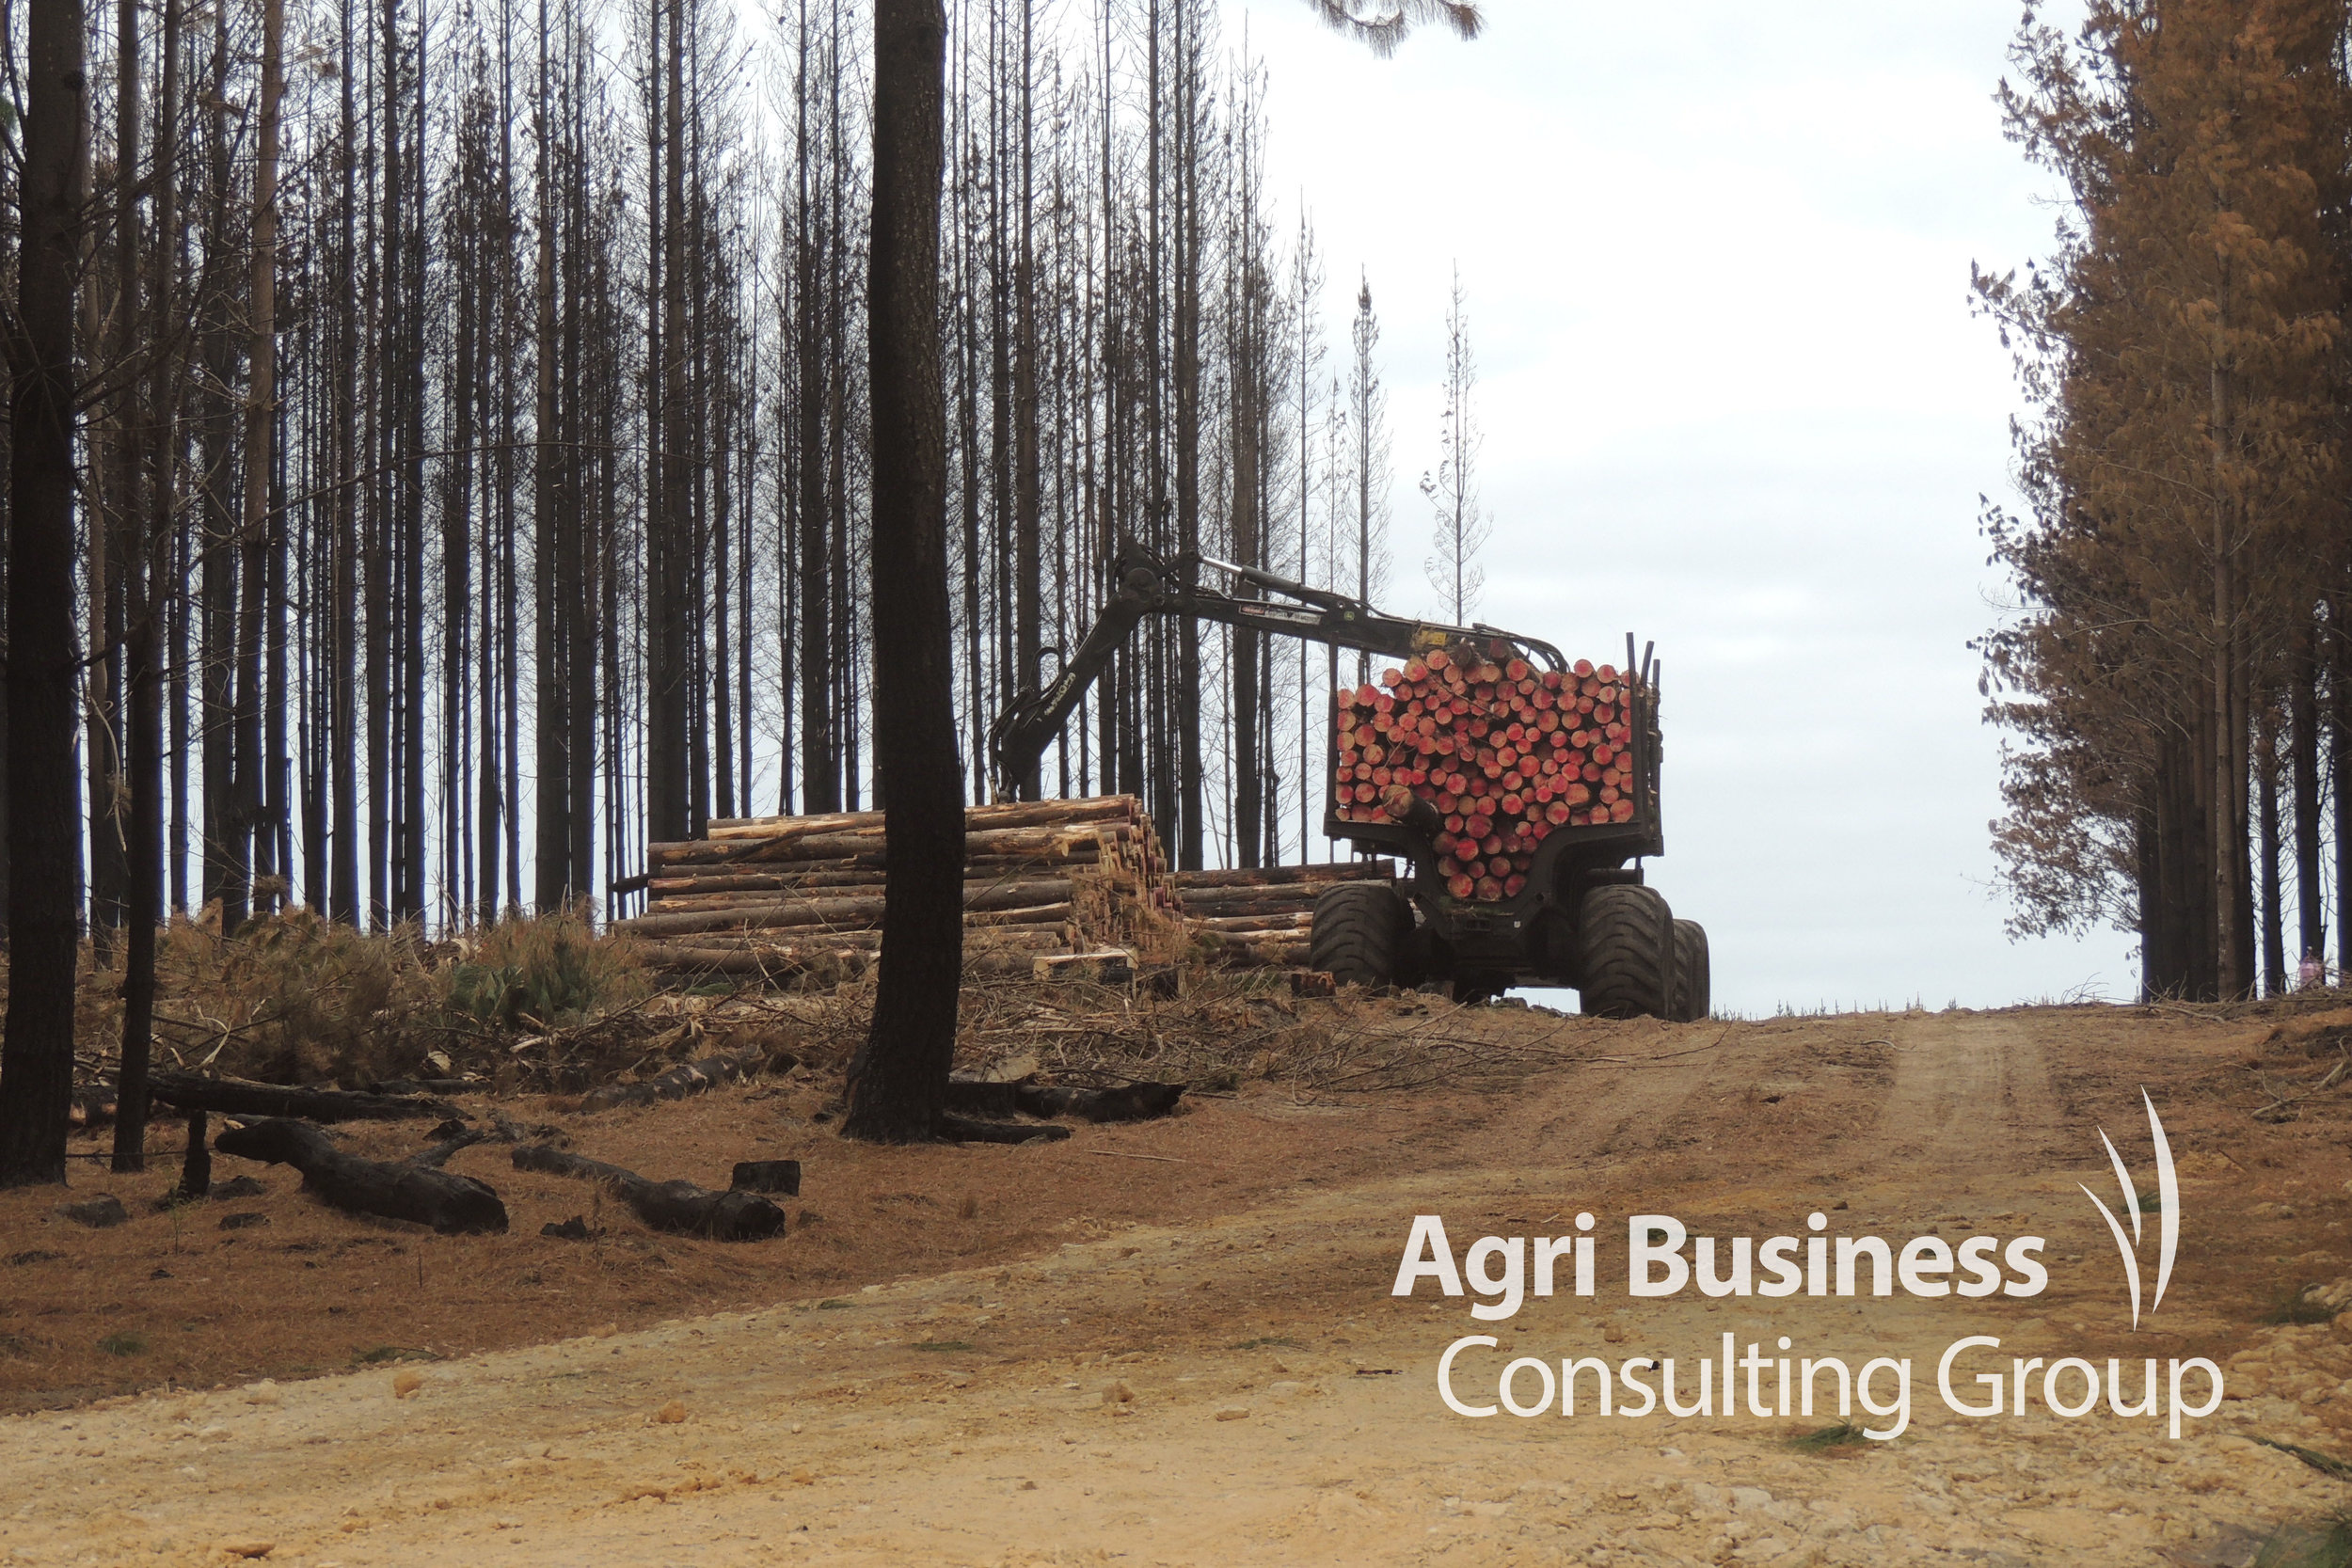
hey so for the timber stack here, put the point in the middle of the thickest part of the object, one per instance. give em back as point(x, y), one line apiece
point(1504, 755)
point(801, 898)
point(1262, 917)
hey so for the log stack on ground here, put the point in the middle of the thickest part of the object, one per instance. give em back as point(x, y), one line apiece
point(1504, 755)
point(793, 897)
point(1262, 917)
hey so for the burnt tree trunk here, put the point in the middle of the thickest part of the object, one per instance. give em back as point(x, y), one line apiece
point(36, 1053)
point(899, 1079)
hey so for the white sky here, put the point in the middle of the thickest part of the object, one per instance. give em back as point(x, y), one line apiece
point(1717, 257)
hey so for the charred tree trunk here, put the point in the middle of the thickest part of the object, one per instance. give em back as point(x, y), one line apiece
point(119, 828)
point(37, 1055)
point(261, 426)
point(553, 840)
point(899, 1079)
point(342, 701)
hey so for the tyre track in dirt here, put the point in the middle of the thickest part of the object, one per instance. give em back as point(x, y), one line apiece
point(1068, 1408)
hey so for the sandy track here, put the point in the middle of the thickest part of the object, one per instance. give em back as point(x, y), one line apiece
point(1067, 1408)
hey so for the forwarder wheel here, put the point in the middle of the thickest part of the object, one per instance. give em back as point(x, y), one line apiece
point(1625, 945)
point(1693, 1002)
point(1359, 933)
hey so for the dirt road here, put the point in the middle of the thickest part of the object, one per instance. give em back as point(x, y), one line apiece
point(1244, 1389)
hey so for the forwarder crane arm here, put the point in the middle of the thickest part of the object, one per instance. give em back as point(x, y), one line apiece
point(1150, 586)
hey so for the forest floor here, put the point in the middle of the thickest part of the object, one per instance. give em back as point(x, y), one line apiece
point(1175, 1343)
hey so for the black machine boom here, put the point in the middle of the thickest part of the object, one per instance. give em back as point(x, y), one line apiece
point(1148, 585)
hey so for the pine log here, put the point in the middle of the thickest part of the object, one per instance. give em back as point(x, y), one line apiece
point(677, 1206)
point(1057, 860)
point(1057, 843)
point(991, 893)
point(838, 914)
point(1259, 952)
point(240, 1096)
point(1014, 919)
point(1011, 813)
point(846, 913)
point(1252, 900)
point(774, 964)
point(452, 1205)
point(833, 917)
point(668, 891)
point(1274, 875)
point(1300, 921)
point(1009, 939)
point(777, 827)
point(869, 863)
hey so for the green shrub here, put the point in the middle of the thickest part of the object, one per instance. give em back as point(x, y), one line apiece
point(543, 972)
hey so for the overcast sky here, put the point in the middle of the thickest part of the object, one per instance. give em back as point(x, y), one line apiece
point(1717, 257)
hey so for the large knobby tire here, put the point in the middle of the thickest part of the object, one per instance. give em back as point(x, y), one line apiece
point(1359, 933)
point(1693, 1001)
point(1626, 945)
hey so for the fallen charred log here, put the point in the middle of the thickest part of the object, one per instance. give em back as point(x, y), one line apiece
point(679, 1205)
point(452, 1205)
point(1139, 1101)
point(240, 1096)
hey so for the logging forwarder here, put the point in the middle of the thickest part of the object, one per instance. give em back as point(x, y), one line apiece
point(1560, 899)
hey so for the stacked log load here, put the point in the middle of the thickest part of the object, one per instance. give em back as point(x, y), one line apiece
point(1506, 755)
point(788, 896)
point(1263, 916)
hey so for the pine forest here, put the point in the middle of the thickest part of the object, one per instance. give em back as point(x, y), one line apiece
point(2176, 682)
point(474, 478)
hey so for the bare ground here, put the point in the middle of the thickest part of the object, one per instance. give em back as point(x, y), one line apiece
point(1041, 1379)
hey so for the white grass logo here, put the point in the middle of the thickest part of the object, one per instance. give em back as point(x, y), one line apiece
point(2167, 1212)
